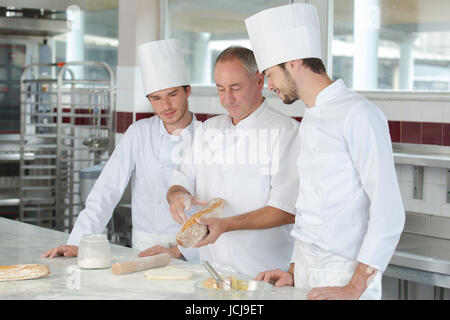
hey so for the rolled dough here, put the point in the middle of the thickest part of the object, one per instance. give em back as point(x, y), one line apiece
point(168, 273)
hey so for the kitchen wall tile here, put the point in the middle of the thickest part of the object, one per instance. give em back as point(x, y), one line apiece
point(124, 100)
point(201, 116)
point(407, 173)
point(125, 77)
point(296, 109)
point(411, 132)
point(393, 110)
point(138, 79)
point(446, 106)
point(395, 130)
point(417, 223)
point(434, 175)
point(439, 227)
point(410, 204)
point(445, 206)
point(123, 121)
point(211, 115)
point(446, 134)
point(432, 111)
point(412, 111)
point(201, 104)
point(432, 133)
point(431, 203)
point(143, 115)
point(140, 101)
point(119, 122)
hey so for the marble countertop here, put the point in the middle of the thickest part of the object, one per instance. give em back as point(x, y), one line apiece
point(22, 243)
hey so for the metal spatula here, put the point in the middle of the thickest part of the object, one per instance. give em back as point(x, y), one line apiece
point(220, 282)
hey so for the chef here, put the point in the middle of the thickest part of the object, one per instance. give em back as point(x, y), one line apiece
point(349, 209)
point(239, 164)
point(144, 154)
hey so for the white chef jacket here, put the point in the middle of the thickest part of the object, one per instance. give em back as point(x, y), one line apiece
point(246, 186)
point(145, 154)
point(349, 199)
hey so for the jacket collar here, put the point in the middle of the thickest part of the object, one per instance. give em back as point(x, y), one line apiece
point(190, 128)
point(251, 118)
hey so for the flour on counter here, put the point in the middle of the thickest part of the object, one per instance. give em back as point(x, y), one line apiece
point(95, 263)
point(168, 273)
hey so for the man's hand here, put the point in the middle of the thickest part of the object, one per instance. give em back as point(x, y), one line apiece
point(174, 252)
point(361, 279)
point(277, 277)
point(216, 226)
point(66, 251)
point(180, 202)
point(334, 293)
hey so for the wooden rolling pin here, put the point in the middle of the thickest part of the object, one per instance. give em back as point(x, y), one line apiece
point(159, 260)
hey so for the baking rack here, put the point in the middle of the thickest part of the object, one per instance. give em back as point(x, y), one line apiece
point(67, 124)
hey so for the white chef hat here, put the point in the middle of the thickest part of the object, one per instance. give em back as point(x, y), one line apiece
point(283, 34)
point(162, 65)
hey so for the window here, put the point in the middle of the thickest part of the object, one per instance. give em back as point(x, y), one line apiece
point(97, 27)
point(392, 44)
point(205, 28)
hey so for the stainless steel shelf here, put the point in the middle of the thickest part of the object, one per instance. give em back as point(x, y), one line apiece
point(422, 155)
point(16, 156)
point(9, 202)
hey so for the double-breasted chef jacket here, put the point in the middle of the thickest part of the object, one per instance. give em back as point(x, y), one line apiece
point(349, 199)
point(263, 173)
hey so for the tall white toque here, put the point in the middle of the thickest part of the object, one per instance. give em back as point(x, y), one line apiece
point(283, 34)
point(162, 65)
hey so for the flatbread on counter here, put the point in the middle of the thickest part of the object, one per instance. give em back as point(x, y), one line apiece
point(23, 272)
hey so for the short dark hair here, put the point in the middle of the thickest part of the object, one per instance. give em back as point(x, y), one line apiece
point(243, 54)
point(314, 64)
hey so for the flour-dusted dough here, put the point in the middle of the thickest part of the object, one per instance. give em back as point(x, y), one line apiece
point(168, 273)
point(23, 272)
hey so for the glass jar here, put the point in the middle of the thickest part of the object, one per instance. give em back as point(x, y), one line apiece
point(94, 252)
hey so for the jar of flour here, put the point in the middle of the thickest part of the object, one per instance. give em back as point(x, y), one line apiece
point(94, 252)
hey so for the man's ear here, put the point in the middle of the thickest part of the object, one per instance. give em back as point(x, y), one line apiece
point(188, 91)
point(293, 65)
point(260, 79)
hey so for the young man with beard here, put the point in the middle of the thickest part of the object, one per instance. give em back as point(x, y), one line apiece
point(349, 209)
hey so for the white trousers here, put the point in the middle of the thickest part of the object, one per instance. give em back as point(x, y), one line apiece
point(315, 267)
point(142, 240)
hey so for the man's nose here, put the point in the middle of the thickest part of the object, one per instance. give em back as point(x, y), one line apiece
point(270, 85)
point(167, 102)
point(229, 97)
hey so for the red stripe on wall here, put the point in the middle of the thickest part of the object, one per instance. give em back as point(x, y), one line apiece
point(400, 131)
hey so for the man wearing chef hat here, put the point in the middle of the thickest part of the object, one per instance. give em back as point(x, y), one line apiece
point(349, 209)
point(144, 154)
point(253, 231)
